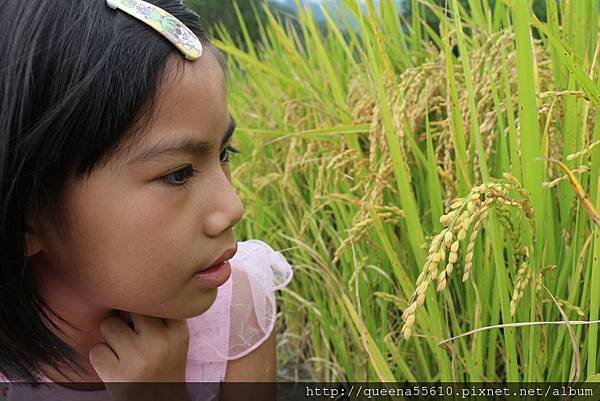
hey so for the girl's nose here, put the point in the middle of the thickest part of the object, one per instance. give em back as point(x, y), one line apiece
point(227, 209)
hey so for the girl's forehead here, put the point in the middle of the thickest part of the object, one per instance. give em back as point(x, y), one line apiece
point(190, 104)
point(198, 85)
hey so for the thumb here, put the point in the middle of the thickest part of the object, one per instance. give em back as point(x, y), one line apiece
point(103, 360)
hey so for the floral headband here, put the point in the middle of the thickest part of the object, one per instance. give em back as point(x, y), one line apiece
point(166, 24)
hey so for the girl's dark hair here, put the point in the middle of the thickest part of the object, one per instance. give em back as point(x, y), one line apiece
point(75, 76)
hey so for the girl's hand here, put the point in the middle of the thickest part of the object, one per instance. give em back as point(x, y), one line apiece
point(155, 352)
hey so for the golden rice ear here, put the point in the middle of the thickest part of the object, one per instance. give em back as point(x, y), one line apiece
point(579, 191)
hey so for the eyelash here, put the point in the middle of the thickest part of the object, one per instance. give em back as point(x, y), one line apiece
point(189, 171)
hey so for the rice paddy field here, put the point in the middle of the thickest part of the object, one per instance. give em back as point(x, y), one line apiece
point(435, 188)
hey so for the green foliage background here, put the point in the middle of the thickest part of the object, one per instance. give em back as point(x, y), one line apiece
point(405, 172)
point(214, 12)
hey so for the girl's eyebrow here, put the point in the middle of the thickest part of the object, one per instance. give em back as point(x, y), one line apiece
point(183, 145)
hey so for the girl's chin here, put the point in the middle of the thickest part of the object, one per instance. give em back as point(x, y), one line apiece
point(187, 314)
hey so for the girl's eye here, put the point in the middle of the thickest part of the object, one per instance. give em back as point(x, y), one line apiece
point(228, 154)
point(180, 177)
point(183, 176)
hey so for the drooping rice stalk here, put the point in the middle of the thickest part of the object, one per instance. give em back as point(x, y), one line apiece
point(406, 175)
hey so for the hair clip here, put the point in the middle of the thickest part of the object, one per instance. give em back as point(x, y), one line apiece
point(166, 24)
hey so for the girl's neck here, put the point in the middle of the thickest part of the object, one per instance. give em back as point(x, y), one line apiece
point(86, 317)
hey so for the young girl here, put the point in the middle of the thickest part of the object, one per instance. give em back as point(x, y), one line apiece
point(116, 199)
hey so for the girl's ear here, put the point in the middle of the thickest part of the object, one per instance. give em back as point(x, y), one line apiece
point(33, 243)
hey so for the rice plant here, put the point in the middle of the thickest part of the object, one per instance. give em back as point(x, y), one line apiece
point(437, 191)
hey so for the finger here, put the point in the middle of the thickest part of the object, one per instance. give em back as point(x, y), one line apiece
point(145, 324)
point(103, 360)
point(118, 335)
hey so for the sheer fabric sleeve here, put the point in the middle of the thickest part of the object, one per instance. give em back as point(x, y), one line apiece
point(259, 272)
point(244, 313)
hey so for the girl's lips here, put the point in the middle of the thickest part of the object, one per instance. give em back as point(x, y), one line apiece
point(228, 254)
point(214, 276)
